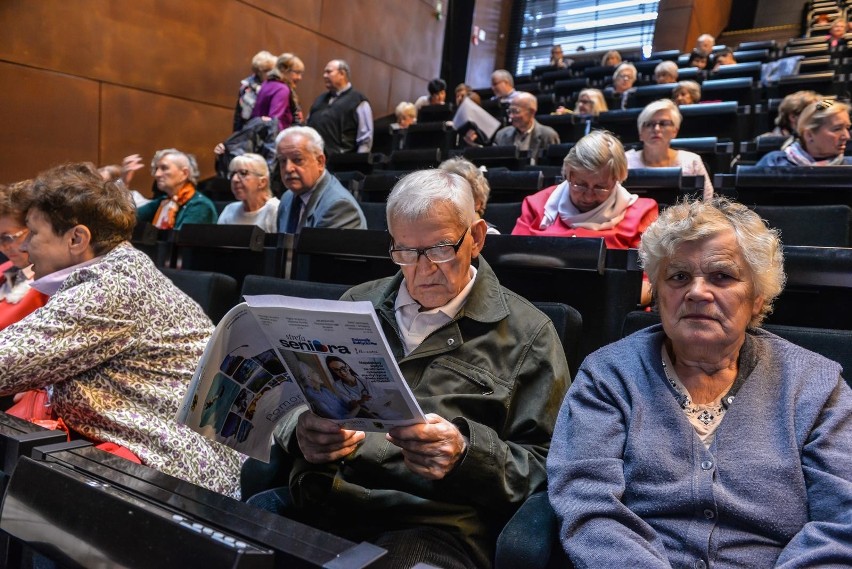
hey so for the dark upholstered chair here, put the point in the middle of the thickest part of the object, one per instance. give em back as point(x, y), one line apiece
point(215, 292)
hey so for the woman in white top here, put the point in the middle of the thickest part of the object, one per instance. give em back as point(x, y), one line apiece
point(658, 124)
point(249, 175)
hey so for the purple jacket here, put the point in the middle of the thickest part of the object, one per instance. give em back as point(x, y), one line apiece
point(273, 100)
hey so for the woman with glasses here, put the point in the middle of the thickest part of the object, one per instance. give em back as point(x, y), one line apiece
point(623, 79)
point(176, 174)
point(591, 202)
point(658, 124)
point(17, 299)
point(256, 205)
point(823, 129)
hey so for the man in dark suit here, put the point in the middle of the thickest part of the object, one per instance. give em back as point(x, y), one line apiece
point(314, 197)
point(525, 132)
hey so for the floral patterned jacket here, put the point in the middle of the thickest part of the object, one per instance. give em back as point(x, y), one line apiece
point(119, 343)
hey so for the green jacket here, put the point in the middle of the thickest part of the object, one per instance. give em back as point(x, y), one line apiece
point(199, 209)
point(499, 373)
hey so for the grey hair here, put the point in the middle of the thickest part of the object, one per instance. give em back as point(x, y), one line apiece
point(405, 109)
point(626, 65)
point(597, 151)
point(474, 176)
point(666, 67)
point(315, 141)
point(812, 118)
point(254, 162)
point(598, 100)
point(262, 60)
point(527, 99)
point(504, 75)
point(418, 194)
point(655, 107)
point(699, 219)
point(343, 67)
point(691, 87)
point(182, 158)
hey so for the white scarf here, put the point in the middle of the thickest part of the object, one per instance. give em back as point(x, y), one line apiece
point(605, 216)
point(800, 157)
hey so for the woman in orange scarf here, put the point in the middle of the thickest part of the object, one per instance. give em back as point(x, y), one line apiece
point(176, 174)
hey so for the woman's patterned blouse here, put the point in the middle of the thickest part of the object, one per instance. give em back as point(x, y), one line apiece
point(119, 343)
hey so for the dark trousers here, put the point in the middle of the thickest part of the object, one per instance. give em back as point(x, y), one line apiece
point(406, 547)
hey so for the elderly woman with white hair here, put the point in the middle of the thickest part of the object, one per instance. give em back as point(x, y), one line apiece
point(255, 203)
point(823, 129)
point(658, 124)
point(176, 174)
point(705, 440)
point(591, 202)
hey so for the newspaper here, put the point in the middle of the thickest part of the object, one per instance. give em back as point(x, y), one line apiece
point(469, 111)
point(272, 354)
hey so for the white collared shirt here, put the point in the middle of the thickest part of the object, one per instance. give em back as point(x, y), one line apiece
point(416, 325)
point(51, 283)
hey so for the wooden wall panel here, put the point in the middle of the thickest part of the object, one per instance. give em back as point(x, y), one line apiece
point(143, 122)
point(166, 73)
point(305, 13)
point(48, 118)
point(405, 35)
point(680, 22)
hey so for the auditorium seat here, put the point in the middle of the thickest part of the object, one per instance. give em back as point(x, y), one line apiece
point(156, 243)
point(812, 225)
point(363, 162)
point(511, 186)
point(346, 256)
point(573, 271)
point(503, 215)
point(419, 159)
point(260, 284)
point(82, 507)
point(236, 250)
point(216, 293)
point(377, 187)
point(497, 156)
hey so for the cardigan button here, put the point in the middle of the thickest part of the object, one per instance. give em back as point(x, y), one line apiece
point(706, 465)
point(709, 514)
point(450, 342)
point(700, 564)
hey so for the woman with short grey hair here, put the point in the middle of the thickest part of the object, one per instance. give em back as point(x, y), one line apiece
point(658, 124)
point(176, 174)
point(255, 203)
point(705, 440)
point(591, 202)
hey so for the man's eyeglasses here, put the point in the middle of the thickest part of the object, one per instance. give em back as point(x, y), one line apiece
point(651, 125)
point(824, 105)
point(436, 254)
point(600, 192)
point(624, 76)
point(243, 174)
point(10, 238)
